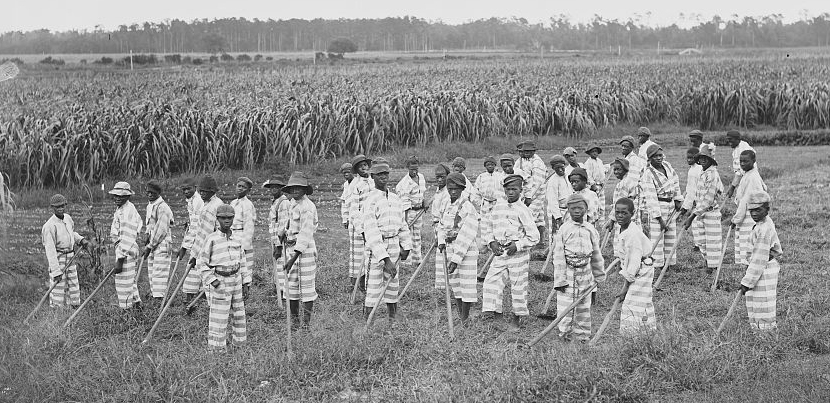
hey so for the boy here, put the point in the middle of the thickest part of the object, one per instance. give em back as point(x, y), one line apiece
point(207, 225)
point(533, 166)
point(632, 247)
point(511, 232)
point(733, 137)
point(244, 219)
point(459, 165)
point(706, 210)
point(456, 238)
point(277, 224)
point(628, 188)
point(194, 207)
point(221, 265)
point(126, 224)
point(761, 279)
point(506, 162)
point(158, 237)
point(696, 140)
point(557, 192)
point(488, 186)
point(346, 171)
point(388, 238)
point(360, 187)
point(302, 249)
point(570, 156)
point(577, 264)
point(579, 183)
point(411, 190)
point(689, 200)
point(597, 172)
point(59, 239)
point(636, 164)
point(644, 138)
point(661, 192)
point(439, 203)
point(750, 183)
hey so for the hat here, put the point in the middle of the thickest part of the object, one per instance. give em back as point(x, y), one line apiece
point(593, 146)
point(442, 167)
point(576, 198)
point(652, 149)
point(358, 159)
point(757, 199)
point(643, 131)
point(489, 158)
point(247, 181)
point(507, 156)
point(208, 184)
point(623, 163)
point(275, 182)
point(696, 133)
point(733, 134)
point(380, 167)
point(459, 162)
point(121, 189)
point(693, 150)
point(512, 178)
point(346, 167)
point(457, 179)
point(579, 171)
point(569, 151)
point(707, 153)
point(189, 182)
point(557, 158)
point(526, 146)
point(298, 179)
point(57, 200)
point(412, 160)
point(225, 210)
point(153, 186)
point(629, 139)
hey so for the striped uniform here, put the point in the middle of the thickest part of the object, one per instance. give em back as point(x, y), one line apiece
point(751, 182)
point(412, 193)
point(126, 224)
point(489, 189)
point(706, 207)
point(635, 165)
point(597, 173)
point(460, 220)
point(762, 275)
point(194, 208)
point(302, 225)
point(591, 199)
point(509, 222)
point(576, 244)
point(440, 202)
point(736, 161)
point(569, 168)
point(244, 219)
point(359, 191)
point(344, 219)
point(277, 224)
point(536, 173)
point(59, 239)
point(557, 193)
point(629, 188)
point(642, 152)
point(637, 309)
point(695, 170)
point(157, 222)
point(205, 226)
point(386, 234)
point(660, 192)
point(222, 257)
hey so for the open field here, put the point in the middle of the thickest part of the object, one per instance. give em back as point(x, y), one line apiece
point(413, 360)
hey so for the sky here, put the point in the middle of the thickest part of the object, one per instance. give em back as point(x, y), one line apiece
point(63, 15)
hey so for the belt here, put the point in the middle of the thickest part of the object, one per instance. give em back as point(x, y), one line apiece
point(64, 251)
point(290, 243)
point(648, 260)
point(226, 273)
point(665, 199)
point(389, 236)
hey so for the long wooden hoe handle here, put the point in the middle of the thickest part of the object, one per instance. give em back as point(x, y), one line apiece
point(668, 259)
point(167, 304)
point(606, 321)
point(380, 297)
point(51, 287)
point(483, 271)
point(89, 298)
point(172, 273)
point(729, 313)
point(418, 270)
point(561, 315)
point(447, 295)
point(720, 262)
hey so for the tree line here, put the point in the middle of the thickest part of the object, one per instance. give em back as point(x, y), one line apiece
point(415, 34)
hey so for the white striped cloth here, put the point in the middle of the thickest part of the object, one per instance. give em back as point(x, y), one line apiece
point(126, 224)
point(58, 237)
point(158, 221)
point(762, 275)
point(226, 305)
point(535, 168)
point(68, 290)
point(277, 225)
point(557, 191)
point(194, 208)
point(387, 233)
point(706, 204)
point(302, 278)
point(360, 189)
point(412, 193)
point(655, 184)
point(440, 203)
point(205, 226)
point(637, 311)
point(750, 183)
point(635, 165)
point(460, 219)
point(244, 219)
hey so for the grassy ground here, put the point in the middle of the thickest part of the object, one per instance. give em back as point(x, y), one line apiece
point(100, 358)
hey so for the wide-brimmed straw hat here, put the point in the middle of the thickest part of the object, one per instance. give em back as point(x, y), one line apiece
point(593, 146)
point(707, 153)
point(57, 200)
point(298, 179)
point(275, 182)
point(121, 189)
point(358, 159)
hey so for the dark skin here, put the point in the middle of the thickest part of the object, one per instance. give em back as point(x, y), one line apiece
point(205, 195)
point(242, 189)
point(758, 214)
point(577, 212)
point(559, 169)
point(527, 154)
point(389, 269)
point(413, 173)
point(696, 141)
point(441, 178)
point(577, 182)
point(593, 153)
point(276, 193)
point(571, 160)
point(188, 191)
point(507, 166)
point(626, 147)
point(362, 169)
point(642, 138)
point(152, 196)
point(623, 215)
point(59, 210)
point(706, 163)
point(656, 161)
point(513, 191)
point(489, 167)
point(747, 162)
point(225, 222)
point(733, 141)
point(455, 192)
point(119, 201)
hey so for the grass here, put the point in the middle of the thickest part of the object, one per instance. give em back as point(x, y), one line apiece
point(100, 357)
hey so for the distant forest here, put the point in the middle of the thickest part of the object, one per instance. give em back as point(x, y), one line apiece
point(414, 34)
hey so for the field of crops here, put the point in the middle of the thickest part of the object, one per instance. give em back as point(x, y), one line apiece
point(81, 126)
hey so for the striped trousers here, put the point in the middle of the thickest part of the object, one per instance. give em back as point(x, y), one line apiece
point(711, 242)
point(356, 253)
point(637, 311)
point(666, 244)
point(577, 323)
point(537, 207)
point(515, 268)
point(278, 275)
point(698, 234)
point(158, 269)
point(226, 301)
point(439, 270)
point(743, 249)
point(126, 289)
point(601, 206)
point(463, 279)
point(68, 284)
point(375, 280)
point(302, 278)
point(249, 261)
point(415, 255)
point(193, 281)
point(761, 299)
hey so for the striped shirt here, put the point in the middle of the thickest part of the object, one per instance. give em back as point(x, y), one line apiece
point(278, 219)
point(439, 203)
point(534, 172)
point(626, 187)
point(644, 148)
point(302, 225)
point(576, 239)
point(512, 222)
point(157, 222)
point(592, 200)
point(410, 192)
point(557, 193)
point(691, 185)
point(736, 156)
point(244, 218)
point(597, 171)
point(460, 219)
point(58, 236)
point(344, 203)
point(635, 165)
point(224, 252)
point(665, 186)
point(709, 190)
point(207, 223)
point(765, 247)
point(384, 219)
point(488, 186)
point(631, 247)
point(126, 224)
point(360, 189)
point(194, 208)
point(569, 169)
point(751, 182)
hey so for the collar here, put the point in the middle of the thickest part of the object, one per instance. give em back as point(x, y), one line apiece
point(156, 202)
point(55, 218)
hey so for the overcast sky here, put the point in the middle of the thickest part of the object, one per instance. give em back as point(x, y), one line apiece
point(61, 15)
